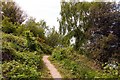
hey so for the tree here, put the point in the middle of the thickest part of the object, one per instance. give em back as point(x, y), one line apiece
point(73, 21)
point(53, 38)
point(13, 12)
point(36, 28)
point(31, 42)
point(104, 32)
point(7, 26)
point(92, 24)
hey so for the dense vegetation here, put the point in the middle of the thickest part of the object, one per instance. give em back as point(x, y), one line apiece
point(78, 66)
point(95, 53)
point(21, 55)
point(96, 29)
point(22, 45)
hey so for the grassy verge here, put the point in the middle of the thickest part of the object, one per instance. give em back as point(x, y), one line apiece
point(73, 65)
point(61, 69)
point(72, 69)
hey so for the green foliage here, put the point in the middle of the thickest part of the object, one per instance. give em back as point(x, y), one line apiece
point(57, 54)
point(13, 12)
point(31, 42)
point(14, 39)
point(92, 22)
point(53, 38)
point(45, 48)
point(104, 31)
point(79, 67)
point(15, 29)
point(29, 63)
point(29, 58)
point(20, 30)
point(7, 26)
point(61, 52)
point(14, 70)
point(7, 52)
point(16, 48)
point(18, 43)
point(73, 21)
point(34, 45)
point(22, 45)
point(102, 50)
point(36, 28)
point(26, 57)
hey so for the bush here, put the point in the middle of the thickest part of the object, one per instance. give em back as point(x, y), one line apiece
point(31, 41)
point(7, 52)
point(29, 58)
point(58, 54)
point(61, 53)
point(78, 65)
point(7, 26)
point(16, 71)
point(112, 69)
point(17, 62)
point(104, 48)
point(15, 42)
point(44, 48)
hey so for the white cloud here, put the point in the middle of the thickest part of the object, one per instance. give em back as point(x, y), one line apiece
point(42, 9)
point(48, 10)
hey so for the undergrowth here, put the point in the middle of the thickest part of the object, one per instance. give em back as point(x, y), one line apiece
point(76, 66)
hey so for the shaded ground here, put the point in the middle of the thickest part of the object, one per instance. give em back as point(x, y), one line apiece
point(51, 67)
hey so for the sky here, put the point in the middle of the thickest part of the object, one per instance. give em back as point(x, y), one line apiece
point(47, 10)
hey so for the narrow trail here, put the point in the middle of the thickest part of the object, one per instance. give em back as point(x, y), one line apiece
point(55, 74)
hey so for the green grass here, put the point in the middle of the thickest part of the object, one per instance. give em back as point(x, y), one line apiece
point(71, 69)
point(74, 65)
point(64, 72)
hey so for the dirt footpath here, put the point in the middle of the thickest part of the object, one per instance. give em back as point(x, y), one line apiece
point(55, 74)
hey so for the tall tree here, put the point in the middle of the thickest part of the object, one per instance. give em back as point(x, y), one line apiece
point(36, 28)
point(104, 32)
point(96, 23)
point(13, 11)
point(73, 21)
point(53, 38)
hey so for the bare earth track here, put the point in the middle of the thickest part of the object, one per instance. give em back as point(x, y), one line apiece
point(55, 74)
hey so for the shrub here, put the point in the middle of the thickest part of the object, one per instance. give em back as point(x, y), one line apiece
point(61, 53)
point(111, 69)
point(44, 48)
point(29, 58)
point(7, 26)
point(31, 41)
point(16, 71)
point(15, 42)
point(58, 54)
point(79, 66)
point(7, 52)
point(104, 48)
